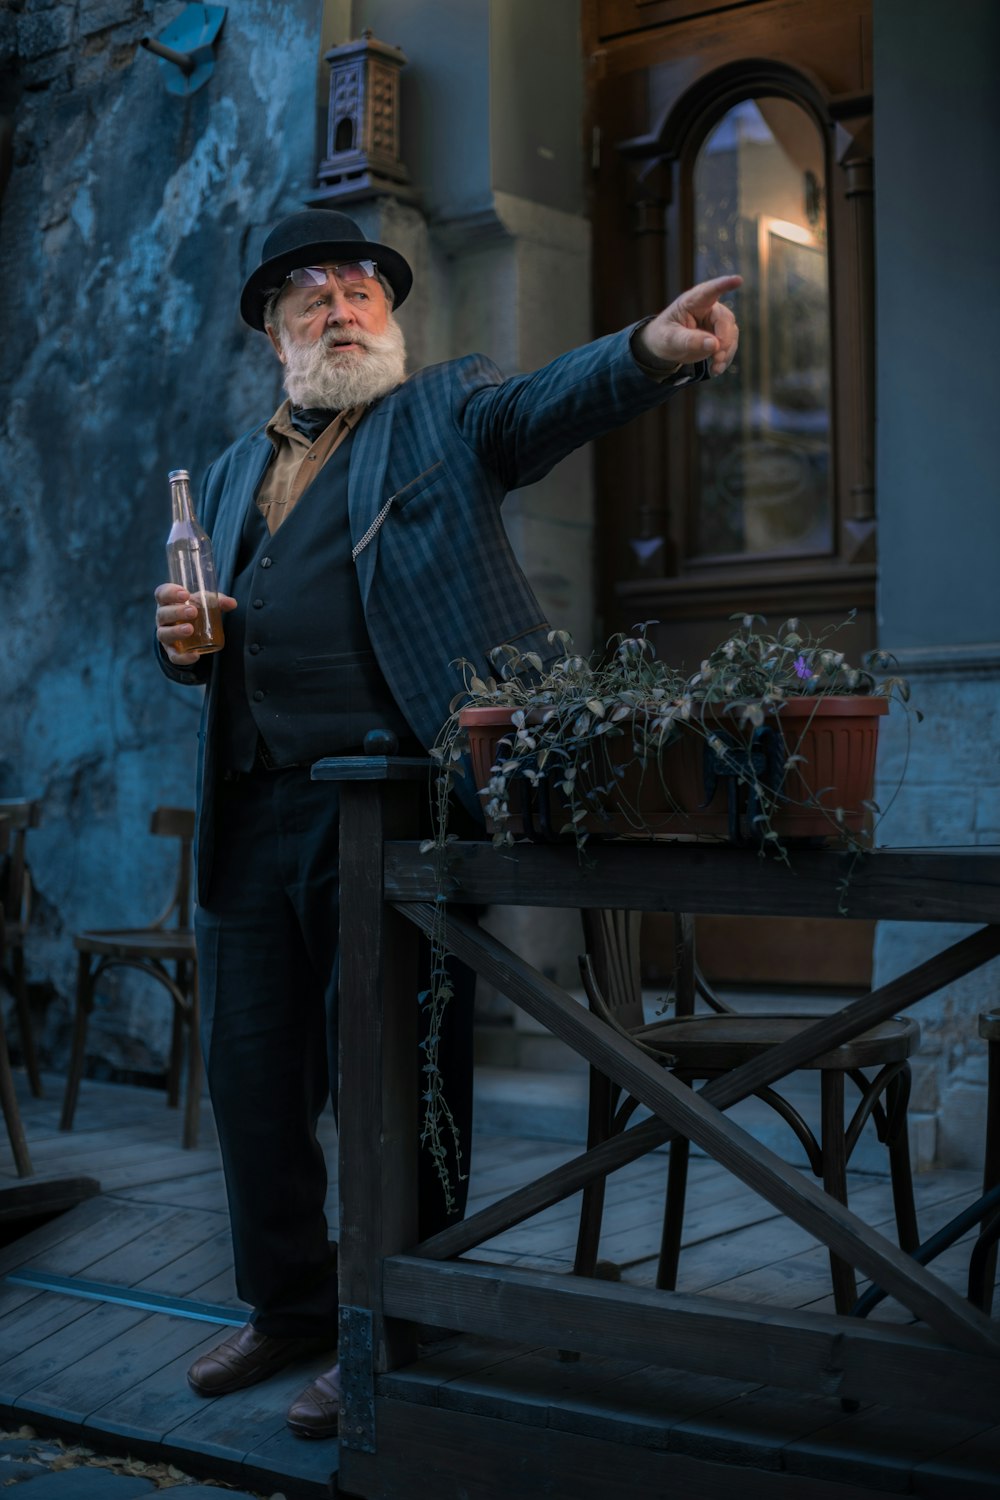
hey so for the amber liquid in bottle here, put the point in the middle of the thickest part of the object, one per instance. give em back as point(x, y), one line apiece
point(190, 562)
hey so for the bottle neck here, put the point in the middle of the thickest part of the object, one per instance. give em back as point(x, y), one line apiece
point(180, 500)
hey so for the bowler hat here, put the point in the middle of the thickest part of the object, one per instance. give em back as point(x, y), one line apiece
point(313, 237)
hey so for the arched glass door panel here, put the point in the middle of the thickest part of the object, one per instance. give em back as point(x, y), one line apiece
point(763, 440)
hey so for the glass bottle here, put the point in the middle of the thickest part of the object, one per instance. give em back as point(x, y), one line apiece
point(190, 563)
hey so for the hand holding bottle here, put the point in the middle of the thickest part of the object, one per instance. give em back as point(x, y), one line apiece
point(176, 618)
point(189, 613)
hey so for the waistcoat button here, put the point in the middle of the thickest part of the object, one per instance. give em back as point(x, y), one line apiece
point(258, 696)
point(254, 649)
point(258, 604)
point(265, 562)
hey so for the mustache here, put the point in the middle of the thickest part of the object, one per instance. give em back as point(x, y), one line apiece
point(334, 336)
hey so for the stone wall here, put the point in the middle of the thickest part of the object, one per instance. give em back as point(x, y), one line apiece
point(938, 133)
point(127, 220)
point(948, 794)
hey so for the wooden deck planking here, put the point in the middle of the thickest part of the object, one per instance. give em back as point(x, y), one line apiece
point(161, 1224)
point(413, 1455)
point(710, 1418)
point(153, 1406)
point(54, 1332)
point(196, 1190)
point(525, 1388)
point(880, 1446)
point(632, 1232)
point(103, 1355)
point(973, 1462)
point(67, 1245)
point(803, 1279)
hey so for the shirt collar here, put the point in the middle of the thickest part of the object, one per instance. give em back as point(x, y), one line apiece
point(281, 424)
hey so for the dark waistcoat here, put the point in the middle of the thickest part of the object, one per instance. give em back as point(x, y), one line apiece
point(298, 671)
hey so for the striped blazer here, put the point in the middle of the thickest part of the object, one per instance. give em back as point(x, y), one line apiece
point(430, 465)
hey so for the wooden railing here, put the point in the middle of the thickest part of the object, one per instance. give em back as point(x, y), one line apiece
point(389, 1282)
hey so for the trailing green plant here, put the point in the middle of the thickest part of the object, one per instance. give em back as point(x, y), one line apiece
point(581, 724)
point(588, 737)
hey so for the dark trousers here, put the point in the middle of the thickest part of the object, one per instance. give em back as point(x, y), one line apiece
point(267, 954)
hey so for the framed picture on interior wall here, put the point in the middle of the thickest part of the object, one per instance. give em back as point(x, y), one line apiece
point(791, 504)
point(794, 328)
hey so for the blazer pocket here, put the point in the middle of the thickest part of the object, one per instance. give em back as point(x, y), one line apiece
point(416, 486)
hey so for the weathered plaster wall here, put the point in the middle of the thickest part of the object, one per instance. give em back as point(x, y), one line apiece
point(937, 225)
point(127, 223)
point(125, 227)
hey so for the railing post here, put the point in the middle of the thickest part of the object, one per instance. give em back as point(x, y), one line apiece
point(378, 1110)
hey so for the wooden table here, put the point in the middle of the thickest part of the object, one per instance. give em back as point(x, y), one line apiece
point(389, 1283)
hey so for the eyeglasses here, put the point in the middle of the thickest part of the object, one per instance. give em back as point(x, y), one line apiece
point(347, 271)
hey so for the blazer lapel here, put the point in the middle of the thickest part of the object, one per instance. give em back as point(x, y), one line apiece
point(229, 524)
point(369, 456)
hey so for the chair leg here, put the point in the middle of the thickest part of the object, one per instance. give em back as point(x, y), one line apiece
point(897, 1099)
point(175, 1066)
point(24, 1024)
point(834, 1148)
point(84, 1005)
point(11, 1113)
point(673, 1214)
point(184, 980)
point(192, 1104)
point(983, 1265)
point(592, 1209)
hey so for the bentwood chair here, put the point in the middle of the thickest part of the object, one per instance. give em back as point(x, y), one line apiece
point(8, 1098)
point(15, 897)
point(705, 1045)
point(984, 1212)
point(165, 950)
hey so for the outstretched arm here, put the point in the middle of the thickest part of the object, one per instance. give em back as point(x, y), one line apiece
point(521, 426)
point(695, 326)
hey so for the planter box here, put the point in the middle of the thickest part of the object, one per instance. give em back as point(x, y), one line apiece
point(691, 791)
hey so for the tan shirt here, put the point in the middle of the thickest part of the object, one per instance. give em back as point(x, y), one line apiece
point(296, 461)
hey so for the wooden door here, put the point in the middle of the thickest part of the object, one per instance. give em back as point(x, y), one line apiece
point(738, 138)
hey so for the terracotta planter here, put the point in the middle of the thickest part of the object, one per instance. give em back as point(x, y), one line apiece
point(691, 791)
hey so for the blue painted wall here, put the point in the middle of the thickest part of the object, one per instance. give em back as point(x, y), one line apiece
point(937, 204)
point(128, 220)
point(126, 225)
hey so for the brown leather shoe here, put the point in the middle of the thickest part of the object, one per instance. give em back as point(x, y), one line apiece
point(316, 1413)
point(246, 1357)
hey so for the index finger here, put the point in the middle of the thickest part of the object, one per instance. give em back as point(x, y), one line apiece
point(170, 593)
point(701, 297)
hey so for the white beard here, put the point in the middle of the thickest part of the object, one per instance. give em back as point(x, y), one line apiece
point(315, 378)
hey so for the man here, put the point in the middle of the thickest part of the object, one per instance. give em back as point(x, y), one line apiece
point(359, 535)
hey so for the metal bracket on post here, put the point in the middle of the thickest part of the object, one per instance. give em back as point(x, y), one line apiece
point(357, 1380)
point(185, 48)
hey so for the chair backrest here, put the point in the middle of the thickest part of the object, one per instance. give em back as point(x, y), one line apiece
point(612, 940)
point(614, 983)
point(176, 823)
point(19, 814)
